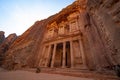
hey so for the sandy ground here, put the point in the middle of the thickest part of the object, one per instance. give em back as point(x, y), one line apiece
point(25, 75)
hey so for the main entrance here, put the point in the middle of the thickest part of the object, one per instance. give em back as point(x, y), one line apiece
point(62, 59)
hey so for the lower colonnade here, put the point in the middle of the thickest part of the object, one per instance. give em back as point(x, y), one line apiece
point(64, 54)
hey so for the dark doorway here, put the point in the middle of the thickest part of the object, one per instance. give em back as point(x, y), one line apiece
point(68, 58)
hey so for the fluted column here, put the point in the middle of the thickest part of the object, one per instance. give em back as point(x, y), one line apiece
point(71, 52)
point(48, 55)
point(42, 55)
point(82, 52)
point(53, 56)
point(64, 55)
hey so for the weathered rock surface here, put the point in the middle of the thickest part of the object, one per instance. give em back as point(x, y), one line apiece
point(100, 30)
point(2, 37)
point(5, 45)
point(105, 15)
point(22, 53)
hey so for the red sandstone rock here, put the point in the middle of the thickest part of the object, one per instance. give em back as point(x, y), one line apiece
point(5, 45)
point(98, 23)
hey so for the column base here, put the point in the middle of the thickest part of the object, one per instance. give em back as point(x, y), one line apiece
point(52, 67)
point(72, 67)
point(63, 67)
point(82, 67)
point(46, 66)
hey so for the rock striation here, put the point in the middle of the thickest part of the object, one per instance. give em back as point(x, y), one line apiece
point(90, 28)
point(22, 53)
point(105, 15)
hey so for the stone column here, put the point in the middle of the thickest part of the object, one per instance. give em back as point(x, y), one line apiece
point(42, 56)
point(48, 55)
point(64, 55)
point(82, 53)
point(71, 52)
point(53, 56)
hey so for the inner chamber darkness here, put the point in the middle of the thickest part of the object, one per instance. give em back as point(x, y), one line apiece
point(59, 55)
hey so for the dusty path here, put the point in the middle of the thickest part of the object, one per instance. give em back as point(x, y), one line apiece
point(51, 75)
point(25, 75)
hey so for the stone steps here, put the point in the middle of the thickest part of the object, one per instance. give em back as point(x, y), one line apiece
point(107, 75)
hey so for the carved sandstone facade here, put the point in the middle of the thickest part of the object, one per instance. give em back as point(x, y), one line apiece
point(77, 37)
point(62, 44)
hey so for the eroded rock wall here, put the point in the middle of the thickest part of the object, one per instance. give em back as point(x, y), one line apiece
point(100, 28)
point(24, 51)
point(5, 45)
point(105, 15)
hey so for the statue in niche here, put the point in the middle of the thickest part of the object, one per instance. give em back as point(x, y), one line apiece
point(52, 30)
point(73, 21)
point(62, 30)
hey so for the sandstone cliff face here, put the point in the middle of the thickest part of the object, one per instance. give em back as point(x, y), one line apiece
point(99, 25)
point(5, 45)
point(23, 52)
point(105, 15)
point(100, 28)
